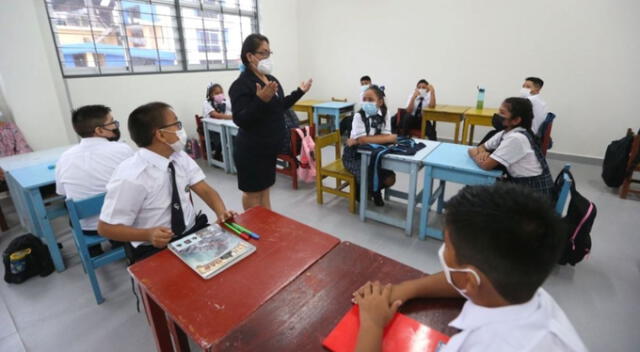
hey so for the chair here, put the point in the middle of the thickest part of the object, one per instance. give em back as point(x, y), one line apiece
point(632, 167)
point(344, 100)
point(335, 170)
point(545, 132)
point(200, 129)
point(3, 194)
point(563, 195)
point(82, 209)
point(291, 159)
point(412, 132)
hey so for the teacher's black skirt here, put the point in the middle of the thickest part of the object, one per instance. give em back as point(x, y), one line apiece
point(256, 168)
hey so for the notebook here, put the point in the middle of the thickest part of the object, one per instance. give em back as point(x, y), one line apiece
point(403, 334)
point(211, 250)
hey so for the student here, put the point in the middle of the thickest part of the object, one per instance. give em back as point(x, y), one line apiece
point(498, 266)
point(372, 124)
point(148, 201)
point(365, 83)
point(515, 149)
point(424, 96)
point(84, 170)
point(216, 106)
point(531, 90)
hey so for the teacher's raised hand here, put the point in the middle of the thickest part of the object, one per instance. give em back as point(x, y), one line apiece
point(305, 86)
point(267, 92)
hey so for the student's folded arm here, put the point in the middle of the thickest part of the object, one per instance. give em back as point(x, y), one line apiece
point(217, 115)
point(379, 139)
point(485, 162)
point(430, 286)
point(432, 102)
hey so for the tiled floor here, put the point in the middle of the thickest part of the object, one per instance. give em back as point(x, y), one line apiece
point(58, 312)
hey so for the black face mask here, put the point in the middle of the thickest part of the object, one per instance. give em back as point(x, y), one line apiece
point(116, 135)
point(496, 121)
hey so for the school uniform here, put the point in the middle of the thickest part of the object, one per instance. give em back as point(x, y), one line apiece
point(412, 120)
point(141, 194)
point(222, 108)
point(521, 157)
point(537, 325)
point(540, 111)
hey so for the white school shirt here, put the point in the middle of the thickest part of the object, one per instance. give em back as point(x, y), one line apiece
point(358, 128)
point(515, 153)
point(416, 101)
point(139, 193)
point(84, 170)
point(537, 325)
point(540, 111)
point(208, 108)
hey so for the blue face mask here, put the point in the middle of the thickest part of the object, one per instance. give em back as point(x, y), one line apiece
point(369, 108)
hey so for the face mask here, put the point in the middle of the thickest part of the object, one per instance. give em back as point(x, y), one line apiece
point(525, 92)
point(498, 122)
point(181, 142)
point(422, 91)
point(369, 108)
point(116, 135)
point(364, 87)
point(218, 98)
point(265, 66)
point(447, 272)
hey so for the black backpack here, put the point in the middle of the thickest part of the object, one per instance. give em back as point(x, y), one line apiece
point(290, 121)
point(578, 222)
point(615, 161)
point(37, 262)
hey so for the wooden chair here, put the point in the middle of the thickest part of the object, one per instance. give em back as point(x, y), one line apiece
point(412, 132)
point(343, 100)
point(335, 170)
point(200, 129)
point(82, 209)
point(291, 159)
point(545, 142)
point(625, 189)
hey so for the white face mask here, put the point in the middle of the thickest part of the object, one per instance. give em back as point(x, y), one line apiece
point(422, 91)
point(364, 87)
point(178, 145)
point(447, 272)
point(265, 66)
point(525, 92)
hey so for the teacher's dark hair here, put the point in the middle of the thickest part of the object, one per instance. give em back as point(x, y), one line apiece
point(250, 45)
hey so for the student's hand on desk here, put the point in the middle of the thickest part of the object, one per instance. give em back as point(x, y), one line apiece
point(375, 309)
point(305, 86)
point(159, 236)
point(267, 92)
point(351, 142)
point(396, 294)
point(226, 216)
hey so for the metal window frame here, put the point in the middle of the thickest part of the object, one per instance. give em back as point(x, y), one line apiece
point(181, 51)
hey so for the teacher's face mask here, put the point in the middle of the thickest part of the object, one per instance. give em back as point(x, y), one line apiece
point(265, 66)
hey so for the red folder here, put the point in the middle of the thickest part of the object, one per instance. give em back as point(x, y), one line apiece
point(402, 334)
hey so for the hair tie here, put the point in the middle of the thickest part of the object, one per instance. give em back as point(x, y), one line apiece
point(242, 67)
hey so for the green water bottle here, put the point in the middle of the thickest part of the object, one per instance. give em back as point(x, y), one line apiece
point(480, 102)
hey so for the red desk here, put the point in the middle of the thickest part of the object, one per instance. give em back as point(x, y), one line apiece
point(179, 302)
point(300, 316)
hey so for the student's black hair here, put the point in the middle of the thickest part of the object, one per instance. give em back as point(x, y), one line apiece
point(210, 89)
point(536, 81)
point(422, 81)
point(365, 78)
point(509, 232)
point(379, 92)
point(145, 120)
point(85, 119)
point(250, 45)
point(521, 107)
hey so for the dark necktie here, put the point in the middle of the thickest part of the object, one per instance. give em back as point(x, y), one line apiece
point(418, 113)
point(177, 216)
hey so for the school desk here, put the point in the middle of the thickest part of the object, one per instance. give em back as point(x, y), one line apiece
point(302, 314)
point(40, 211)
point(231, 131)
point(476, 117)
point(448, 162)
point(409, 164)
point(306, 106)
point(443, 113)
point(179, 303)
point(333, 108)
point(19, 161)
point(215, 126)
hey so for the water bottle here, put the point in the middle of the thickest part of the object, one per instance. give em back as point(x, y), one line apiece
point(480, 102)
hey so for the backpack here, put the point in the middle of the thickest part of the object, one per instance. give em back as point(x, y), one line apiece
point(290, 121)
point(25, 257)
point(193, 148)
point(307, 168)
point(615, 161)
point(578, 222)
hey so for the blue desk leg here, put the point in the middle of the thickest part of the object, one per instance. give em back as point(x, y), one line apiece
point(42, 223)
point(364, 161)
point(411, 198)
point(225, 150)
point(443, 183)
point(207, 141)
point(426, 198)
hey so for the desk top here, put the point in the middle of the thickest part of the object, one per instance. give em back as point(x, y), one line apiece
point(430, 146)
point(300, 316)
point(36, 175)
point(334, 105)
point(19, 161)
point(207, 310)
point(486, 112)
point(309, 102)
point(450, 109)
point(221, 122)
point(456, 157)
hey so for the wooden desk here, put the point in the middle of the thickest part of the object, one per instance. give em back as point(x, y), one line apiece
point(306, 106)
point(304, 313)
point(179, 302)
point(473, 117)
point(443, 113)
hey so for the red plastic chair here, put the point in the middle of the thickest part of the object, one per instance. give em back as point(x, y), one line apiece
point(291, 159)
point(412, 132)
point(625, 189)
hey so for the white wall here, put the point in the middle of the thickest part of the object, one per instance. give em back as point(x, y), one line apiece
point(587, 52)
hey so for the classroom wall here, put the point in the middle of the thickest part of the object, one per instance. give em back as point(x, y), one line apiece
point(587, 52)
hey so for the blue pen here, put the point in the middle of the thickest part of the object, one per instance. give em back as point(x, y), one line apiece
point(252, 234)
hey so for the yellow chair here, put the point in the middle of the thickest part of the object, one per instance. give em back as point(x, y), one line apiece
point(335, 169)
point(344, 100)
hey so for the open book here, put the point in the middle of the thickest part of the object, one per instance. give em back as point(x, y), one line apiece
point(211, 250)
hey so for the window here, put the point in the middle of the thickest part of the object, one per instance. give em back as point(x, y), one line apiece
point(111, 37)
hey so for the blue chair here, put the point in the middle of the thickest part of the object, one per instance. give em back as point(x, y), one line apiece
point(82, 209)
point(563, 195)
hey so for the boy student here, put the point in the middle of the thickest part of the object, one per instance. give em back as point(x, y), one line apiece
point(424, 96)
point(498, 265)
point(84, 170)
point(148, 201)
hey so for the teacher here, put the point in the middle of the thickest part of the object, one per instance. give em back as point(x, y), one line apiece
point(259, 105)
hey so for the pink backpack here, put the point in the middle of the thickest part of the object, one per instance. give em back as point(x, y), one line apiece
point(307, 169)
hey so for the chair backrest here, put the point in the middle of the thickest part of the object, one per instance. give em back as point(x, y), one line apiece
point(325, 141)
point(399, 114)
point(344, 100)
point(633, 152)
point(83, 209)
point(563, 195)
point(199, 126)
point(546, 136)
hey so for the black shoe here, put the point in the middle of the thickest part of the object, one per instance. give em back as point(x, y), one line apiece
point(377, 199)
